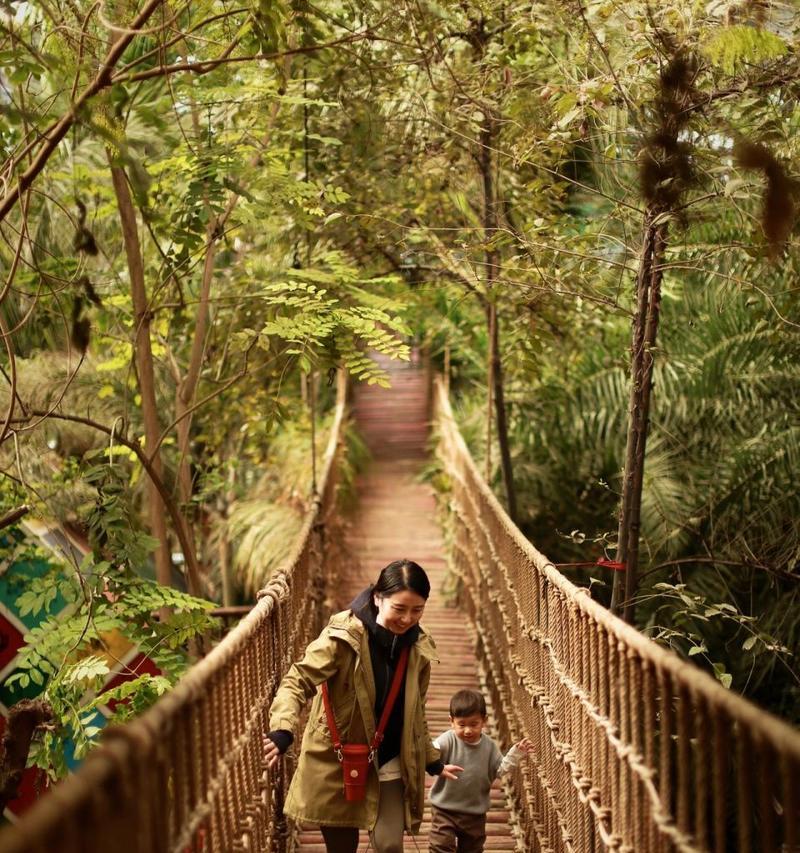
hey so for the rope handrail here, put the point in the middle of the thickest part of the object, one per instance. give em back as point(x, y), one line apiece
point(188, 775)
point(637, 749)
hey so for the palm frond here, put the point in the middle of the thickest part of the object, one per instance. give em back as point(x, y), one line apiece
point(264, 533)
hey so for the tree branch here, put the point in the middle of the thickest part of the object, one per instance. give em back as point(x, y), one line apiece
point(14, 516)
point(210, 64)
point(174, 513)
point(57, 131)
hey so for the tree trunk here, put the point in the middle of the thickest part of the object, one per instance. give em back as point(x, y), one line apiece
point(495, 368)
point(184, 398)
point(187, 386)
point(643, 341)
point(490, 319)
point(225, 569)
point(143, 354)
point(23, 720)
point(500, 414)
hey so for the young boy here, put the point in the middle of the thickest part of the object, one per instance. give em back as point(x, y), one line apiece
point(459, 806)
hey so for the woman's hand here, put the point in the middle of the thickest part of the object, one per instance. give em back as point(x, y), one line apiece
point(271, 752)
point(451, 771)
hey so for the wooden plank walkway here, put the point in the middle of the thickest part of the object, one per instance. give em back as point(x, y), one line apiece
point(397, 518)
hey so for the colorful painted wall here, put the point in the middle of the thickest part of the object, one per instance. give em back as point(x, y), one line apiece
point(17, 569)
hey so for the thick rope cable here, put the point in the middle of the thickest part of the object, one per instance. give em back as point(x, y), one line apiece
point(644, 741)
point(636, 750)
point(189, 774)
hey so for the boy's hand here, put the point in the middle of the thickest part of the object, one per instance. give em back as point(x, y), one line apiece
point(525, 745)
point(451, 771)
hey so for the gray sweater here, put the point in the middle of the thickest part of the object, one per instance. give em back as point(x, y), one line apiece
point(482, 763)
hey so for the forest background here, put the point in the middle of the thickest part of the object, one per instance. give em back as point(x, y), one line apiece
point(585, 211)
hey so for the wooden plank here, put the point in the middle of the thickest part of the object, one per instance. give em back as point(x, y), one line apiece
point(396, 518)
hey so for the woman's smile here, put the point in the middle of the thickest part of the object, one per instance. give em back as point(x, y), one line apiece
point(400, 611)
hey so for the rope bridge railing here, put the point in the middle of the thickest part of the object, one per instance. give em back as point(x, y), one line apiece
point(636, 749)
point(188, 775)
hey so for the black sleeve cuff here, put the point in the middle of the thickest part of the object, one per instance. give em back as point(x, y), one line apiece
point(434, 768)
point(282, 739)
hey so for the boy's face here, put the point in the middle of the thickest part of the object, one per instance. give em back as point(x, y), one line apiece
point(468, 728)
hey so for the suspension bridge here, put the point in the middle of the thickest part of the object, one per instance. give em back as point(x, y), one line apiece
point(635, 749)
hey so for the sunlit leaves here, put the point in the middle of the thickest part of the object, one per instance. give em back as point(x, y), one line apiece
point(70, 656)
point(327, 315)
point(733, 48)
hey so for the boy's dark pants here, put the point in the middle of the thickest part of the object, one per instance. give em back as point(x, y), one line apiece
point(451, 831)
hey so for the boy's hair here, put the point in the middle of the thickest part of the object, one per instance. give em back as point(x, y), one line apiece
point(465, 703)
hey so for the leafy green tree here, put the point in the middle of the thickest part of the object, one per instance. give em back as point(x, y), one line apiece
point(80, 606)
point(154, 312)
point(646, 154)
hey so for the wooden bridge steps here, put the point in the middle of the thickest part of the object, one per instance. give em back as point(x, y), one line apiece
point(397, 518)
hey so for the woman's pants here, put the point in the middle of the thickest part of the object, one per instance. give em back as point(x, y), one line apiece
point(387, 837)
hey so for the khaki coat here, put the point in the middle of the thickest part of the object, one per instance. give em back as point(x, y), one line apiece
point(340, 655)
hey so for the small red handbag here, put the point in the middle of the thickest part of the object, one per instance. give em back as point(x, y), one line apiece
point(356, 758)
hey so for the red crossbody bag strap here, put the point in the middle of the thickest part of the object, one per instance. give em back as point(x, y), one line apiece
point(399, 673)
point(326, 701)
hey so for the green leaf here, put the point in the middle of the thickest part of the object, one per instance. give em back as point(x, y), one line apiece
point(724, 678)
point(735, 184)
point(733, 46)
point(87, 670)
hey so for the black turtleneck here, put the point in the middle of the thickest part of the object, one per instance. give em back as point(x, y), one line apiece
point(384, 650)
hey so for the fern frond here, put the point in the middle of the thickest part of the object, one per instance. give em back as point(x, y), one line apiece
point(738, 45)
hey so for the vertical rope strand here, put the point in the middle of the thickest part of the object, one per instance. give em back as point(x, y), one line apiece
point(744, 793)
point(765, 801)
point(720, 746)
point(636, 750)
point(684, 757)
point(701, 772)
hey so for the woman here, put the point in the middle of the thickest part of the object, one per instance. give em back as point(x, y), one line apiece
point(357, 654)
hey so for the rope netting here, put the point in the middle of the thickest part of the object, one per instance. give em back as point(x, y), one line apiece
point(636, 750)
point(189, 775)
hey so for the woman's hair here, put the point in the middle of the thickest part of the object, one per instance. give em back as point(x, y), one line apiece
point(399, 576)
point(465, 703)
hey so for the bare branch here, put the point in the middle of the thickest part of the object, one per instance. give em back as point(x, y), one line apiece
point(205, 66)
point(14, 516)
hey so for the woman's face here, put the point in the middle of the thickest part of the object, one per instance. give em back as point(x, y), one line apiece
point(399, 611)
